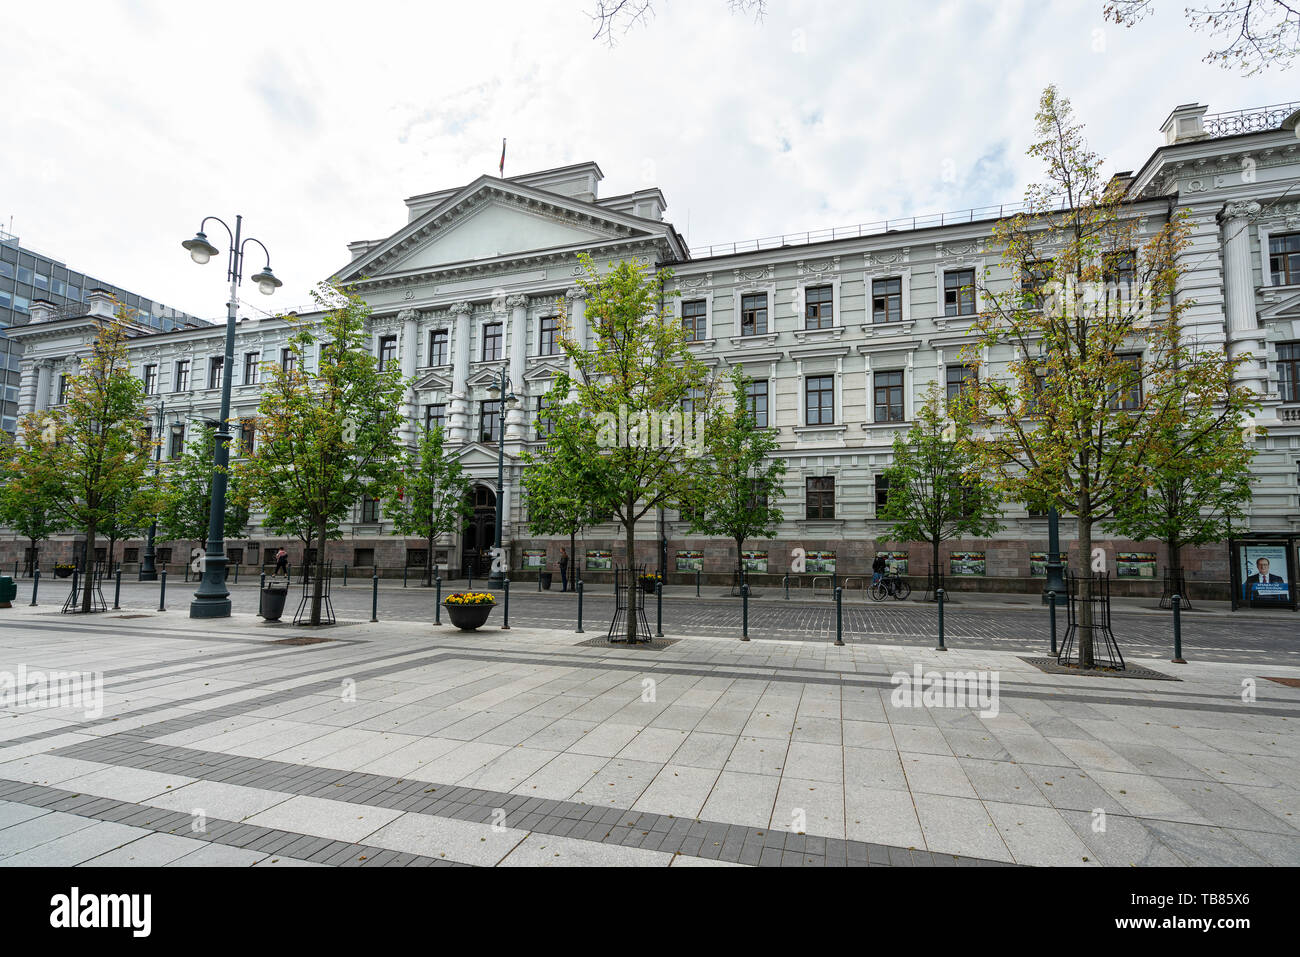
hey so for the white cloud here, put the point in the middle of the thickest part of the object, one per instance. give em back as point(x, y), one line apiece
point(125, 123)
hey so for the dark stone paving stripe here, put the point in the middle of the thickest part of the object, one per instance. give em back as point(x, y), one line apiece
point(608, 825)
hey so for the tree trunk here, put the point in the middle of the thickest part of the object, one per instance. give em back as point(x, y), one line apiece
point(740, 563)
point(32, 566)
point(1085, 619)
point(934, 566)
point(319, 576)
point(88, 572)
point(1176, 567)
point(573, 557)
point(632, 584)
point(428, 562)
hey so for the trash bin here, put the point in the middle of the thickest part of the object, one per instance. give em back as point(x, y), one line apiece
point(546, 580)
point(8, 591)
point(273, 597)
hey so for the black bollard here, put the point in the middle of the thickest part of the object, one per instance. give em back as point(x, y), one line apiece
point(1177, 603)
point(405, 569)
point(939, 597)
point(469, 577)
point(345, 575)
point(162, 589)
point(261, 587)
point(697, 583)
point(579, 606)
point(505, 611)
point(744, 612)
point(36, 583)
point(236, 573)
point(437, 601)
point(785, 583)
point(659, 609)
point(117, 590)
point(374, 595)
point(1051, 606)
point(839, 617)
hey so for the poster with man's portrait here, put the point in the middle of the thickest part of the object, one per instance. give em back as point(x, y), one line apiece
point(1265, 574)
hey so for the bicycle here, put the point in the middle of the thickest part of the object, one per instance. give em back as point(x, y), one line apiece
point(890, 586)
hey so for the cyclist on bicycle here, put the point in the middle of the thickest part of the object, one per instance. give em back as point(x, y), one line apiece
point(878, 568)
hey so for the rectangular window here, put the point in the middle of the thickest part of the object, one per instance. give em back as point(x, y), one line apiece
point(492, 341)
point(820, 493)
point(887, 299)
point(438, 347)
point(150, 379)
point(130, 555)
point(1129, 396)
point(1288, 371)
point(756, 401)
point(42, 281)
point(544, 423)
point(177, 447)
point(288, 359)
point(819, 393)
point(435, 416)
point(417, 557)
point(1037, 275)
point(326, 354)
point(163, 556)
point(889, 396)
point(753, 314)
point(22, 304)
point(369, 511)
point(819, 311)
point(6, 270)
point(694, 320)
point(959, 292)
point(387, 351)
point(957, 376)
point(181, 379)
point(25, 275)
point(1119, 268)
point(688, 403)
point(489, 420)
point(1283, 259)
point(363, 558)
point(548, 342)
point(215, 365)
point(247, 435)
point(63, 389)
point(252, 368)
point(882, 491)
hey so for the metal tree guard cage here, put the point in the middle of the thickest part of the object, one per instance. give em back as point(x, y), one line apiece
point(1174, 584)
point(1105, 649)
point(933, 583)
point(73, 604)
point(303, 615)
point(622, 578)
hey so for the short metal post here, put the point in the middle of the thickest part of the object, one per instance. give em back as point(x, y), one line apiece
point(579, 606)
point(539, 579)
point(261, 587)
point(744, 611)
point(1051, 607)
point(785, 583)
point(939, 597)
point(374, 595)
point(659, 609)
point(697, 583)
point(469, 577)
point(1177, 602)
point(505, 610)
point(437, 600)
point(117, 590)
point(345, 575)
point(162, 589)
point(839, 616)
point(36, 583)
point(236, 573)
point(405, 569)
point(835, 579)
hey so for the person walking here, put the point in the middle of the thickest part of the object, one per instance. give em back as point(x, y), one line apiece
point(281, 561)
point(878, 568)
point(564, 569)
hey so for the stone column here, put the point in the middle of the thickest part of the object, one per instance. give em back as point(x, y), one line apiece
point(41, 400)
point(459, 417)
point(577, 322)
point(1244, 332)
point(410, 344)
point(516, 423)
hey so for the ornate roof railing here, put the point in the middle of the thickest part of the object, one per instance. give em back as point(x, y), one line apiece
point(1258, 119)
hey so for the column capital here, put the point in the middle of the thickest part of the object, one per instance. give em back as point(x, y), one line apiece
point(517, 302)
point(408, 315)
point(461, 309)
point(576, 294)
point(1239, 209)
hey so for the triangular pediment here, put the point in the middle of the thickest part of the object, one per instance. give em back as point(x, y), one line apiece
point(544, 372)
point(476, 455)
point(489, 375)
point(1288, 308)
point(493, 219)
point(433, 382)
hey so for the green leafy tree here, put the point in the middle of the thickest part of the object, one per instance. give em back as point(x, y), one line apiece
point(325, 438)
point(187, 494)
point(935, 491)
point(1096, 374)
point(739, 477)
point(626, 420)
point(88, 458)
point(432, 498)
point(555, 495)
point(28, 515)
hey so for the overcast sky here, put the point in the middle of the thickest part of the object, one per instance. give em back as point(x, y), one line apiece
point(126, 122)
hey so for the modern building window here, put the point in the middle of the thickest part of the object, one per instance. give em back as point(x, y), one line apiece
point(957, 377)
point(889, 396)
point(252, 368)
point(25, 275)
point(1288, 371)
point(177, 447)
point(548, 339)
point(819, 394)
point(215, 365)
point(22, 304)
point(1284, 259)
point(882, 491)
point(387, 351)
point(150, 379)
point(820, 495)
point(1129, 396)
point(181, 378)
point(489, 419)
point(369, 512)
point(435, 416)
point(959, 292)
point(42, 281)
point(438, 347)
point(819, 307)
point(887, 299)
point(694, 320)
point(756, 401)
point(753, 314)
point(288, 359)
point(492, 341)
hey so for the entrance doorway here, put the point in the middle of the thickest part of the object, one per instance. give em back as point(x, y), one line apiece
point(479, 534)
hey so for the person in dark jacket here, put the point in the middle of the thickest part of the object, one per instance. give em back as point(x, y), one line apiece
point(878, 569)
point(564, 570)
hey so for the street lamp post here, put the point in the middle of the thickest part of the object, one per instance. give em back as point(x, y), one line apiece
point(148, 572)
point(212, 599)
point(1055, 581)
point(507, 401)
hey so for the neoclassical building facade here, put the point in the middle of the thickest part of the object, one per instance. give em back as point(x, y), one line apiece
point(842, 332)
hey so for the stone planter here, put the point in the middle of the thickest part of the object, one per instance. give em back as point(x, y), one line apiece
point(468, 617)
point(61, 572)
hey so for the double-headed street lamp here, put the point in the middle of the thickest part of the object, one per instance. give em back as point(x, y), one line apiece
point(148, 572)
point(212, 600)
point(1055, 570)
point(508, 401)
